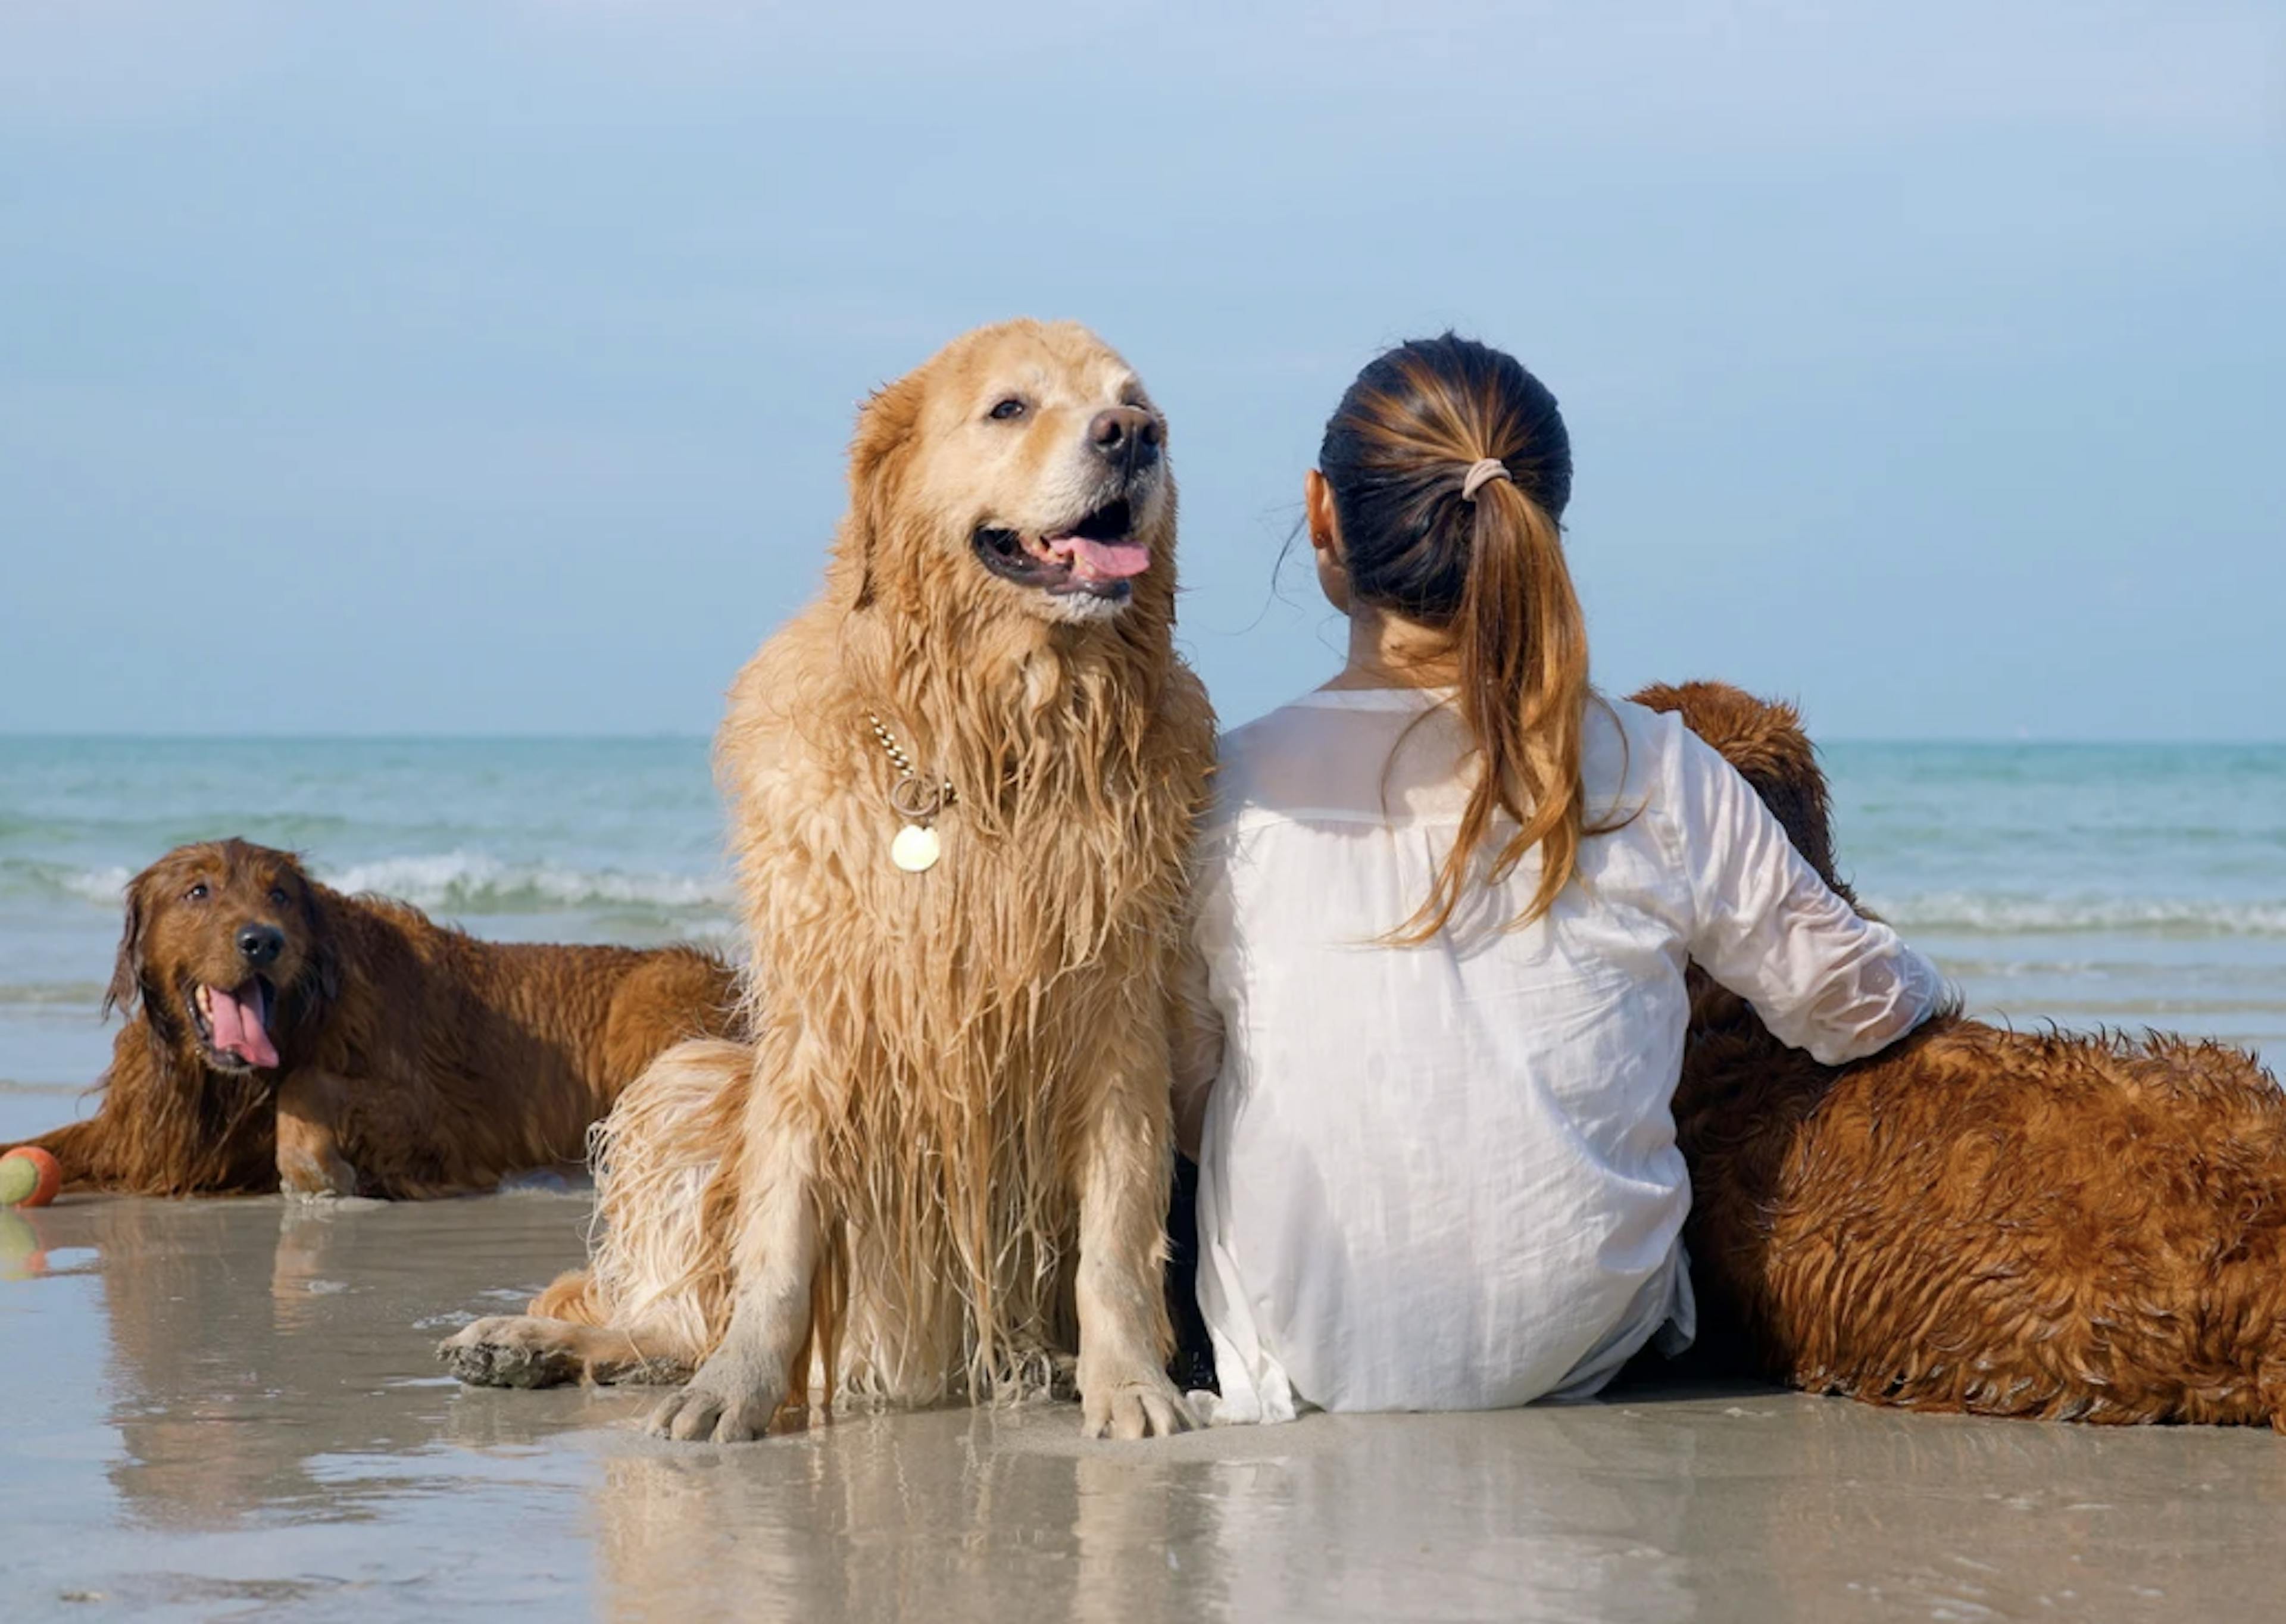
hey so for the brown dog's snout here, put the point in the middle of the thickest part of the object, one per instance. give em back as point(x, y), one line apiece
point(1128, 435)
point(260, 944)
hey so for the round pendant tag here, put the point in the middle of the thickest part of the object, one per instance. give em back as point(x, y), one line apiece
point(916, 848)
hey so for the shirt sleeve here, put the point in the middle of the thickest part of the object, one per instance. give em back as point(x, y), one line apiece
point(1821, 976)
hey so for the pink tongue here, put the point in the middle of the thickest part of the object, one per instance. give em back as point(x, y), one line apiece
point(1106, 560)
point(238, 1027)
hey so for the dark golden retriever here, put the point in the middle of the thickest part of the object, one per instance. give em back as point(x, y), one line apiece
point(283, 1035)
point(1998, 1222)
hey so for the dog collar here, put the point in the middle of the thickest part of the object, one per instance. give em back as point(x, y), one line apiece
point(917, 801)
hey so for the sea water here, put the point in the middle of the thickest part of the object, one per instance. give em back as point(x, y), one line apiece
point(2115, 885)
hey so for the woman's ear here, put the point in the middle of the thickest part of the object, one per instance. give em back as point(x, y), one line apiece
point(1326, 539)
point(126, 988)
point(1318, 506)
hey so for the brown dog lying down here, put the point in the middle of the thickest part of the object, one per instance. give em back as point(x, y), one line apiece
point(2004, 1223)
point(282, 1034)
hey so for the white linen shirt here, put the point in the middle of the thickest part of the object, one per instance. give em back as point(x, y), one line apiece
point(1445, 1177)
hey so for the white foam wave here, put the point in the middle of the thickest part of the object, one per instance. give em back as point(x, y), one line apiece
point(464, 882)
point(472, 882)
point(49, 995)
point(96, 885)
point(1970, 914)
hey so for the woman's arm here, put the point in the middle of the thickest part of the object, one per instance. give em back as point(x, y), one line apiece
point(1821, 977)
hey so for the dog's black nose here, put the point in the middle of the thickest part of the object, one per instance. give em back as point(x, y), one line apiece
point(1128, 435)
point(260, 944)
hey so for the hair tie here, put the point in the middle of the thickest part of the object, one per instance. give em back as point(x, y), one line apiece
point(1481, 475)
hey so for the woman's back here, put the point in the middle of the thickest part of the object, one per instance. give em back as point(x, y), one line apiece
point(1443, 933)
point(1458, 1158)
point(1388, 1071)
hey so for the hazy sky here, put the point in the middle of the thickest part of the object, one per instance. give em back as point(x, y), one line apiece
point(486, 366)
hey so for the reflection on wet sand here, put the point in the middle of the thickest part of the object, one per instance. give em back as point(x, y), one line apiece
point(235, 1401)
point(1010, 1514)
point(23, 1249)
point(1949, 1516)
point(236, 1366)
point(919, 1516)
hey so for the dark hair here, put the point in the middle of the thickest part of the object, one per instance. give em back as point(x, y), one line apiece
point(1490, 572)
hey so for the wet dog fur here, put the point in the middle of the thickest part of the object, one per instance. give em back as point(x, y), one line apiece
point(1978, 1220)
point(942, 1169)
point(281, 1034)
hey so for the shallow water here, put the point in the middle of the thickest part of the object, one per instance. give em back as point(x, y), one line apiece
point(2091, 885)
point(2094, 885)
point(229, 1409)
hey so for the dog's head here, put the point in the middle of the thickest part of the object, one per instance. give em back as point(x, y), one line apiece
point(226, 948)
point(1022, 468)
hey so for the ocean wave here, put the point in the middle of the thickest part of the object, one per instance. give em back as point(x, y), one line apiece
point(61, 882)
point(2003, 914)
point(49, 995)
point(458, 882)
point(477, 883)
point(104, 885)
point(470, 882)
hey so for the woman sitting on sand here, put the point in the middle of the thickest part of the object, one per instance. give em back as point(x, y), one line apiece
point(1445, 905)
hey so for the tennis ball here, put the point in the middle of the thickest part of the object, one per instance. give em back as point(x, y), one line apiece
point(29, 1177)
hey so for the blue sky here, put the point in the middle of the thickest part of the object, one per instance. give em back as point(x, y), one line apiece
point(486, 366)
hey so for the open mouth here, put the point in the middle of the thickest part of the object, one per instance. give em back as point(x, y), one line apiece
point(233, 1024)
point(1099, 556)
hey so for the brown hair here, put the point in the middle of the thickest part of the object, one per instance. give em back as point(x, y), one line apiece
point(1490, 571)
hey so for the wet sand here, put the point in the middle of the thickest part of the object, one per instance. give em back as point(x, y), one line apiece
point(229, 1409)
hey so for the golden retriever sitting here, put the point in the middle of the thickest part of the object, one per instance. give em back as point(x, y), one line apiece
point(964, 784)
point(281, 1034)
point(2004, 1223)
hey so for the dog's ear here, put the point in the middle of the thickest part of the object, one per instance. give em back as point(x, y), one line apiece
point(1764, 740)
point(126, 990)
point(321, 982)
point(886, 424)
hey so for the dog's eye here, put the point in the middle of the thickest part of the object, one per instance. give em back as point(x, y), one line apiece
point(278, 896)
point(196, 893)
point(1008, 411)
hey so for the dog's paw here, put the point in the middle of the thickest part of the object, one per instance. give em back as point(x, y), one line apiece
point(1142, 1405)
point(729, 1402)
point(313, 1176)
point(510, 1351)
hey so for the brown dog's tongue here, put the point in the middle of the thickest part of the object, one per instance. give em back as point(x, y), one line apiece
point(237, 1028)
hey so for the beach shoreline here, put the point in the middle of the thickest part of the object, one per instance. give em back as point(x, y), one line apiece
point(231, 1408)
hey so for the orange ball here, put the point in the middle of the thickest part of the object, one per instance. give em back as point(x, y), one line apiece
point(49, 1175)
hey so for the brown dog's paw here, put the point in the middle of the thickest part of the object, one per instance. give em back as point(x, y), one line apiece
point(314, 1175)
point(511, 1351)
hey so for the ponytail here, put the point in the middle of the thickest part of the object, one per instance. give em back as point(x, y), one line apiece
point(1522, 644)
point(1449, 468)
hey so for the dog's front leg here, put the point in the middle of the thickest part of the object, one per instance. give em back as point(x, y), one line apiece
point(1123, 1335)
point(309, 1160)
point(744, 1381)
